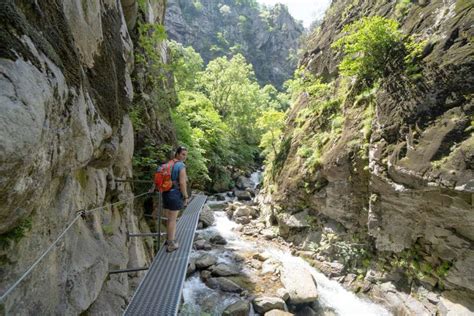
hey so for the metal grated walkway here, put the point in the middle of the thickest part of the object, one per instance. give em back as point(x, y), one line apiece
point(159, 292)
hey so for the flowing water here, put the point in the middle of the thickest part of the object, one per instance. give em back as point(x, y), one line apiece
point(199, 299)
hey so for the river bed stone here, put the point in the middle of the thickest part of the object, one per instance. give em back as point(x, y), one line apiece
point(265, 304)
point(300, 284)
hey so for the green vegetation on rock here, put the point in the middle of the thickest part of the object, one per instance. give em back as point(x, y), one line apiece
point(375, 47)
point(15, 234)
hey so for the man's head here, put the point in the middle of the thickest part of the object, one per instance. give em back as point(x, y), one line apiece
point(181, 153)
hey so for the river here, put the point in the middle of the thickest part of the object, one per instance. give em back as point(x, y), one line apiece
point(200, 299)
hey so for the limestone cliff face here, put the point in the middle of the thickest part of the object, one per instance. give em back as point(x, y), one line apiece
point(66, 136)
point(408, 191)
point(215, 28)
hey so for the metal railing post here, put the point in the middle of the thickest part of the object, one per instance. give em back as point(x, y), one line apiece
point(158, 220)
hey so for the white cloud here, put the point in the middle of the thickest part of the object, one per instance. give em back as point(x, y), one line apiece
point(305, 10)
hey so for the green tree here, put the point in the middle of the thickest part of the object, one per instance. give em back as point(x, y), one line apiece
point(272, 121)
point(196, 164)
point(371, 46)
point(210, 132)
point(231, 86)
point(186, 65)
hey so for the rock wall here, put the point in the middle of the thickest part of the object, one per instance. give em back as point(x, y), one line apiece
point(406, 196)
point(66, 90)
point(217, 28)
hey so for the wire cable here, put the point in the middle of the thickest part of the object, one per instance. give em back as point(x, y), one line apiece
point(37, 261)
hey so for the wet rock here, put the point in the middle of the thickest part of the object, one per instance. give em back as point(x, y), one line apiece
point(205, 261)
point(220, 197)
point(265, 304)
point(243, 210)
point(254, 212)
point(243, 183)
point(242, 220)
point(300, 284)
point(277, 312)
point(223, 284)
point(191, 267)
point(206, 218)
point(223, 269)
point(218, 240)
point(205, 275)
point(239, 308)
point(330, 269)
point(215, 207)
point(199, 244)
point(243, 195)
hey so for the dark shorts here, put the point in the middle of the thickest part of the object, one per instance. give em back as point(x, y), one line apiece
point(173, 200)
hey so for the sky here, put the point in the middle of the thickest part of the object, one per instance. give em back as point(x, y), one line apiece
point(304, 10)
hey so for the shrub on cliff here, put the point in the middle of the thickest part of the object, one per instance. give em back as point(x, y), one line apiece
point(374, 47)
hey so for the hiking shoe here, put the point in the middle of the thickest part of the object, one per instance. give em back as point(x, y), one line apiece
point(172, 245)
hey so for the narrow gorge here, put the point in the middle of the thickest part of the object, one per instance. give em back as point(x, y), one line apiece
point(362, 129)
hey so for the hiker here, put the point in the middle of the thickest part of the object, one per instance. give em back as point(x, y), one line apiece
point(175, 195)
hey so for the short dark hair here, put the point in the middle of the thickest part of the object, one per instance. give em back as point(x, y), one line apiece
point(179, 150)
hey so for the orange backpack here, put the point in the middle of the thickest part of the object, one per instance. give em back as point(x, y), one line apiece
point(163, 181)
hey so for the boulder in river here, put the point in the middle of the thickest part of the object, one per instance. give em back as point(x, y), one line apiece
point(242, 220)
point(266, 303)
point(300, 284)
point(239, 308)
point(205, 261)
point(191, 267)
point(223, 269)
point(220, 197)
point(199, 244)
point(243, 183)
point(218, 240)
point(243, 210)
point(206, 218)
point(223, 284)
point(205, 275)
point(243, 195)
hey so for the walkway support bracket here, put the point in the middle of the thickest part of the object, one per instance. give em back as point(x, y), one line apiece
point(128, 270)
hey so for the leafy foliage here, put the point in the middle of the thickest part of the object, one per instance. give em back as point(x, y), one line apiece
point(210, 134)
point(217, 115)
point(374, 47)
point(370, 45)
point(186, 65)
point(271, 121)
